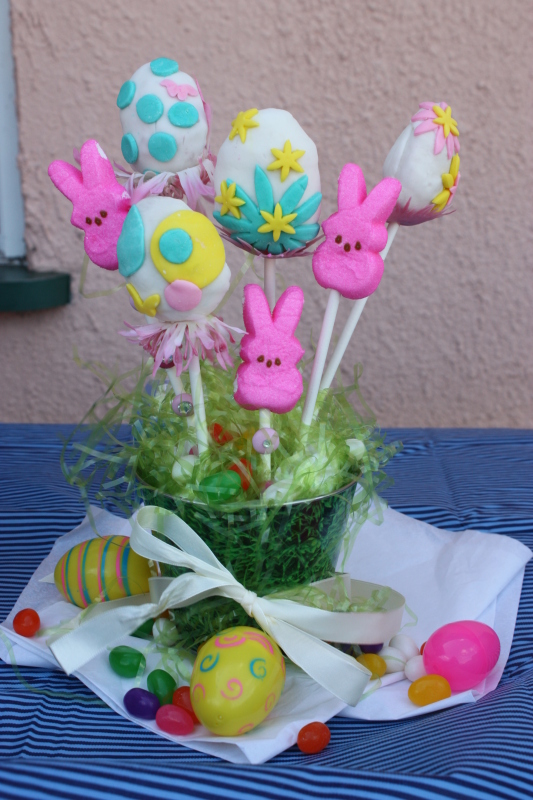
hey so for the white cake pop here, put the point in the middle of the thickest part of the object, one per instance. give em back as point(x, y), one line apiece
point(173, 259)
point(163, 118)
point(267, 182)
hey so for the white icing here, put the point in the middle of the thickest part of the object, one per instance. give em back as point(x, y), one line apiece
point(411, 160)
point(148, 280)
point(191, 141)
point(237, 160)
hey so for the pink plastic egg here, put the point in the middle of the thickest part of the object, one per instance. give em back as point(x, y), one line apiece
point(462, 652)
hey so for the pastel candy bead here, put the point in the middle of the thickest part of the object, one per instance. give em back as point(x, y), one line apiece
point(162, 685)
point(265, 440)
point(182, 405)
point(183, 115)
point(394, 659)
point(429, 689)
point(220, 488)
point(163, 67)
point(237, 679)
point(376, 664)
point(462, 652)
point(142, 704)
point(126, 661)
point(104, 568)
point(415, 669)
point(405, 644)
point(183, 295)
point(174, 720)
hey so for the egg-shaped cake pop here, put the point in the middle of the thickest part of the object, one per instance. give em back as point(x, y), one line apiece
point(173, 260)
point(163, 118)
point(267, 182)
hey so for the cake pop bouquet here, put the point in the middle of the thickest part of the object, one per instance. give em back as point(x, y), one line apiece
point(253, 481)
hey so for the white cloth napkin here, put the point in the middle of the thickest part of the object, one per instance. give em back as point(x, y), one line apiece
point(443, 576)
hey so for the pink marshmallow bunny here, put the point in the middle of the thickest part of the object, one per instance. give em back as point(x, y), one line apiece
point(269, 377)
point(100, 203)
point(349, 260)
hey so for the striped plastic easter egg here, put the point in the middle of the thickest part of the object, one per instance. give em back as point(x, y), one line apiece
point(100, 569)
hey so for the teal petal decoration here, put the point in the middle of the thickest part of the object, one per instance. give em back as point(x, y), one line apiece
point(293, 195)
point(307, 209)
point(263, 191)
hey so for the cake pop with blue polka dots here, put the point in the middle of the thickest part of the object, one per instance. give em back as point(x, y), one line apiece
point(164, 119)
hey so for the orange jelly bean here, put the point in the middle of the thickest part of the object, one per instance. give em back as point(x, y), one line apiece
point(26, 622)
point(429, 689)
point(374, 663)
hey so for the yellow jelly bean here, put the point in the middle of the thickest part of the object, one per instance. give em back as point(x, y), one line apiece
point(429, 689)
point(374, 663)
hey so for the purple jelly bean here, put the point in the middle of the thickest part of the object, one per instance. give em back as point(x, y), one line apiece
point(140, 703)
point(371, 648)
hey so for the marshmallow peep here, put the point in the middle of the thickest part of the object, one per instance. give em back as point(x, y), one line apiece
point(425, 159)
point(349, 260)
point(267, 183)
point(100, 203)
point(173, 260)
point(269, 377)
point(164, 118)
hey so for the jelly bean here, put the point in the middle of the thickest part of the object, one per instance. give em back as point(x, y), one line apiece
point(405, 644)
point(374, 663)
point(144, 631)
point(174, 720)
point(27, 622)
point(313, 737)
point(140, 703)
point(244, 474)
point(265, 440)
point(162, 685)
point(220, 488)
point(182, 699)
point(415, 669)
point(429, 689)
point(182, 405)
point(126, 661)
point(394, 659)
point(371, 648)
point(422, 646)
point(219, 435)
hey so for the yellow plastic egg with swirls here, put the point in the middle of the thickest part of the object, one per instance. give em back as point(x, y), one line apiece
point(237, 679)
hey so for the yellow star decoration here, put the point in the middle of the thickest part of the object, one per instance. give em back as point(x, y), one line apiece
point(242, 122)
point(276, 223)
point(448, 182)
point(444, 118)
point(147, 306)
point(228, 201)
point(287, 159)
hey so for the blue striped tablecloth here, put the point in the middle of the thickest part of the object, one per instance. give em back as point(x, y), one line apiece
point(57, 740)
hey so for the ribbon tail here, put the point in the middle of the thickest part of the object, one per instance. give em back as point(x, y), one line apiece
point(337, 672)
point(99, 631)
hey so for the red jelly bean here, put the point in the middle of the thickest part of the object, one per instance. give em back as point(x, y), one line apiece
point(174, 720)
point(244, 474)
point(27, 622)
point(422, 648)
point(314, 737)
point(219, 434)
point(182, 699)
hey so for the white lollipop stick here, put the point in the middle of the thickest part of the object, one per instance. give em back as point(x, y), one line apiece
point(321, 355)
point(198, 403)
point(177, 385)
point(353, 319)
point(270, 293)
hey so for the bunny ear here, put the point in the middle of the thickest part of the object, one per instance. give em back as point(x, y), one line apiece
point(256, 311)
point(352, 187)
point(288, 310)
point(381, 201)
point(66, 178)
point(95, 166)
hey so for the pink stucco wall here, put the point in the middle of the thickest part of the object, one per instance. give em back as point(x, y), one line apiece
point(446, 341)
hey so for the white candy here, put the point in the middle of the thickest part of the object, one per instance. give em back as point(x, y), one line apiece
point(415, 669)
point(164, 632)
point(394, 659)
point(406, 644)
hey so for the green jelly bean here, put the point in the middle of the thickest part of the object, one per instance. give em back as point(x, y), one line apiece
point(220, 488)
point(126, 661)
point(162, 685)
point(145, 630)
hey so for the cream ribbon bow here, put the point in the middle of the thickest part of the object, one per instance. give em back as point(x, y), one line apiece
point(299, 630)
